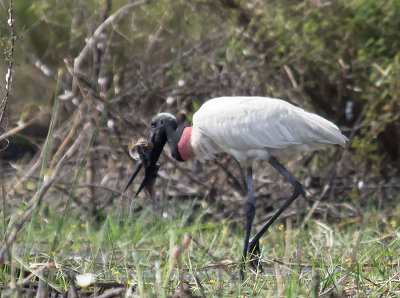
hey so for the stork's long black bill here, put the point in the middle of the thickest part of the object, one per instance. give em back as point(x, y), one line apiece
point(143, 184)
point(133, 176)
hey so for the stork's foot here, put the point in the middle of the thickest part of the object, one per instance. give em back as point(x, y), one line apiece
point(255, 255)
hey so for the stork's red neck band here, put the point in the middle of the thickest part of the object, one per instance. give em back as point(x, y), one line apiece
point(184, 147)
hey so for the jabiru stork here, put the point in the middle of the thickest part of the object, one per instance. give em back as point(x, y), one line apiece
point(248, 128)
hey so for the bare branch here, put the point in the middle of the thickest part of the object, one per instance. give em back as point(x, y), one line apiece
point(10, 58)
point(3, 107)
point(21, 127)
point(78, 60)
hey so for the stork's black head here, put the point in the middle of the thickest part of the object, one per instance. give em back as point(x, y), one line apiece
point(162, 124)
point(161, 127)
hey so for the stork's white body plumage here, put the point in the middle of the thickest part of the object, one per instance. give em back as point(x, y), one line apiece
point(256, 127)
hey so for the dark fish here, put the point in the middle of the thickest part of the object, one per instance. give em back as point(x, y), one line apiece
point(142, 152)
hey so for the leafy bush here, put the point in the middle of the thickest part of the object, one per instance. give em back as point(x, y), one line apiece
point(337, 52)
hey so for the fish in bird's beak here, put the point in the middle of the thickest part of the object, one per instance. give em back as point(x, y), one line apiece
point(142, 151)
point(148, 152)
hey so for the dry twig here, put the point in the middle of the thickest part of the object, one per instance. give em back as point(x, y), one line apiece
point(78, 60)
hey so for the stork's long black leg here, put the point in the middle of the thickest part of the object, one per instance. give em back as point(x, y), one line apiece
point(249, 216)
point(298, 189)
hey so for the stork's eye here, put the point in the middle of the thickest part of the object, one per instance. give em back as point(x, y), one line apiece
point(153, 125)
point(162, 122)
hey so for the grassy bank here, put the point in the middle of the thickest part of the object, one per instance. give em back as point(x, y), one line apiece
point(142, 252)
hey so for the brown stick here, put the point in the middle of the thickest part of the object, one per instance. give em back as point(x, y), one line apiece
point(67, 139)
point(21, 127)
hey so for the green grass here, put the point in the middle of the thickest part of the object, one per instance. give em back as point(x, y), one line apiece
point(135, 249)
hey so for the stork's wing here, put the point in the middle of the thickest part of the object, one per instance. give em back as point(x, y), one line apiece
point(246, 123)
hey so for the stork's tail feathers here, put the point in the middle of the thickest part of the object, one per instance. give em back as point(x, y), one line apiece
point(324, 131)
